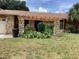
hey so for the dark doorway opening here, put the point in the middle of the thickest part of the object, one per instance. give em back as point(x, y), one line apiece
point(65, 23)
point(16, 27)
point(36, 24)
point(16, 22)
point(61, 24)
point(26, 22)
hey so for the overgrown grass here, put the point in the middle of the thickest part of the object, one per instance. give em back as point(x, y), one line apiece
point(65, 46)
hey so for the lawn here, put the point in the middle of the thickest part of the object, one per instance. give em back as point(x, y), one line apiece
point(65, 46)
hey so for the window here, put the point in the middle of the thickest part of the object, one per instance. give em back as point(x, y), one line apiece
point(3, 19)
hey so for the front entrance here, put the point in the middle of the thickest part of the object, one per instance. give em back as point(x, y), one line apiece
point(2, 26)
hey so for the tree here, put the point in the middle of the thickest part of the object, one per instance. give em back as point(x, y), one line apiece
point(74, 12)
point(74, 17)
point(13, 5)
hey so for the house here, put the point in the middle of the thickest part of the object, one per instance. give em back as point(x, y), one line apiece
point(10, 19)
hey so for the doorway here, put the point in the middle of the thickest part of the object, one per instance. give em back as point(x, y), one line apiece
point(16, 22)
point(2, 26)
point(36, 25)
point(26, 22)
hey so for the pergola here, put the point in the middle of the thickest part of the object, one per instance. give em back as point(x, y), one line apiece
point(35, 16)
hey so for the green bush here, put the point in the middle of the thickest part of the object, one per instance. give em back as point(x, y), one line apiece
point(44, 31)
point(72, 29)
point(46, 35)
point(49, 28)
point(41, 27)
point(39, 35)
point(35, 34)
point(45, 27)
point(28, 28)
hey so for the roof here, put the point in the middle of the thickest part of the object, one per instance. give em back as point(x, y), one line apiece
point(37, 15)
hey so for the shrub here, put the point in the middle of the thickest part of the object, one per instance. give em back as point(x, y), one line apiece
point(41, 27)
point(35, 34)
point(49, 28)
point(39, 35)
point(72, 29)
point(44, 31)
point(46, 35)
point(28, 28)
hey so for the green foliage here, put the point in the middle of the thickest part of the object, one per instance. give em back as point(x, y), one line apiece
point(13, 5)
point(28, 28)
point(74, 19)
point(35, 34)
point(30, 32)
point(74, 12)
point(72, 28)
point(49, 28)
point(41, 27)
point(45, 27)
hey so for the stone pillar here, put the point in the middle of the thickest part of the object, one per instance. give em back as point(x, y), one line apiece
point(56, 29)
point(32, 23)
point(10, 24)
point(21, 25)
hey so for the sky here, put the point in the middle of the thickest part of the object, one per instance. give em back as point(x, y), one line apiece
point(57, 6)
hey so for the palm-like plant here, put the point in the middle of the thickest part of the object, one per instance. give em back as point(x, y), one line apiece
point(74, 12)
point(74, 17)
